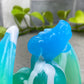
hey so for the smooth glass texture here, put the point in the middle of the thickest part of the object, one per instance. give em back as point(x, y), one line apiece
point(68, 61)
point(7, 55)
point(43, 73)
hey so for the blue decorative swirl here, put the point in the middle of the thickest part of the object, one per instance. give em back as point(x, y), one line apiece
point(51, 42)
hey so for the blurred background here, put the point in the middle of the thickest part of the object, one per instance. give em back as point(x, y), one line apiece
point(77, 41)
point(47, 5)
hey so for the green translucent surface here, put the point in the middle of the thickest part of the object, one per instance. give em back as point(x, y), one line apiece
point(43, 73)
point(42, 77)
point(70, 65)
point(21, 76)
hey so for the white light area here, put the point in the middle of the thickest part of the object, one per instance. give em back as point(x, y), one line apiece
point(42, 66)
point(25, 82)
point(13, 31)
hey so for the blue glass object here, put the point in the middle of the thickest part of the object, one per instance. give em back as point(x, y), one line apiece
point(51, 42)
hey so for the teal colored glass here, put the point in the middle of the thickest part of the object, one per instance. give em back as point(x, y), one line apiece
point(21, 76)
point(44, 76)
point(68, 61)
point(7, 55)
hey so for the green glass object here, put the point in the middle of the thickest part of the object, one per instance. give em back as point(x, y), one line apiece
point(68, 61)
point(21, 76)
point(43, 73)
point(47, 73)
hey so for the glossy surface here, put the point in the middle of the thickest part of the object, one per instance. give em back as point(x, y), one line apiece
point(43, 73)
point(68, 61)
point(54, 44)
point(7, 55)
point(21, 77)
point(44, 47)
point(63, 55)
point(51, 42)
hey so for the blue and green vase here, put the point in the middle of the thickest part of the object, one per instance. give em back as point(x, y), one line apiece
point(53, 60)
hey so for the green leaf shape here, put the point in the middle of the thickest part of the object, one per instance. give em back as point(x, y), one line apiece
point(38, 15)
point(18, 7)
point(19, 12)
point(63, 14)
point(49, 17)
point(79, 17)
point(2, 31)
point(26, 10)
